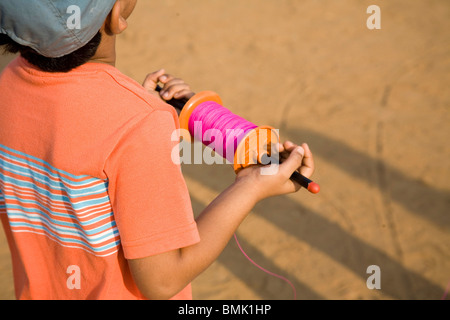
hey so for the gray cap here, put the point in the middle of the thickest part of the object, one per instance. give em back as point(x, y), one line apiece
point(53, 28)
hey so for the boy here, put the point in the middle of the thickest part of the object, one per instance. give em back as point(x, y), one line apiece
point(92, 205)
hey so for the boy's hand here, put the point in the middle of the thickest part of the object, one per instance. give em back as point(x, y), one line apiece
point(294, 158)
point(172, 88)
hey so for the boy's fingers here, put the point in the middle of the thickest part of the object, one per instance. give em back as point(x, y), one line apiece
point(286, 149)
point(152, 79)
point(307, 168)
point(166, 78)
point(186, 93)
point(175, 86)
point(280, 148)
point(289, 146)
point(173, 82)
point(293, 162)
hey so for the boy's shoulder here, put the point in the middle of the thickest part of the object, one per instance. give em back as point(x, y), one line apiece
point(104, 85)
point(124, 89)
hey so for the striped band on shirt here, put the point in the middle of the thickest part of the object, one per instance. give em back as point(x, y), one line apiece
point(74, 211)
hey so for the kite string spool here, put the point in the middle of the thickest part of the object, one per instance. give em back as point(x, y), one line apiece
point(210, 116)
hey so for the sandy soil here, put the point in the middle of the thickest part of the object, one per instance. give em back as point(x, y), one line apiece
point(372, 104)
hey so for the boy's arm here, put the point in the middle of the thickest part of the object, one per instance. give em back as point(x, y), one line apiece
point(164, 275)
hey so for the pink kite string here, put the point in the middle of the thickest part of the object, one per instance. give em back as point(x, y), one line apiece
point(265, 270)
point(232, 128)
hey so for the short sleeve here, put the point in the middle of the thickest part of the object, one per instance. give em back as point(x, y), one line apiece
point(149, 196)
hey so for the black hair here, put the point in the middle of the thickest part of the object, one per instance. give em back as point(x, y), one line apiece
point(62, 64)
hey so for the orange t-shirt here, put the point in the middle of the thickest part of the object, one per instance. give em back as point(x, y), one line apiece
point(87, 181)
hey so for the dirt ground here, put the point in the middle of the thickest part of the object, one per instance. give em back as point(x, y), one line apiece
point(372, 104)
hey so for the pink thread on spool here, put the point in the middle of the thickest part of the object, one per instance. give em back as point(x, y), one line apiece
point(210, 116)
point(245, 153)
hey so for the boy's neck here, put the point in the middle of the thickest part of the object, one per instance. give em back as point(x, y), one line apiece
point(106, 52)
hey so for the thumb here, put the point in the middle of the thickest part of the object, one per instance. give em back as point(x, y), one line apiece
point(152, 79)
point(293, 162)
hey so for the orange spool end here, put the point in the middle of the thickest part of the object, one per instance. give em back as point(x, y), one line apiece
point(254, 146)
point(193, 103)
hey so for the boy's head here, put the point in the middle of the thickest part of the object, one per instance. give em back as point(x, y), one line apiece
point(60, 35)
